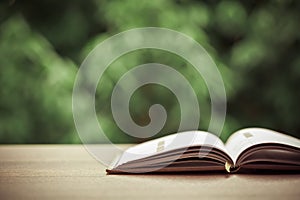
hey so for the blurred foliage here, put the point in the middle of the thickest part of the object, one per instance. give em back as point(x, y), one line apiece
point(255, 45)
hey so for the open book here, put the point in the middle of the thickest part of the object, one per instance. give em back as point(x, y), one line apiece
point(246, 149)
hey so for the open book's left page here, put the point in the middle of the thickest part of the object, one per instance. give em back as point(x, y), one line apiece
point(163, 151)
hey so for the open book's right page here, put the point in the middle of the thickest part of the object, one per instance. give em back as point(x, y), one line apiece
point(245, 138)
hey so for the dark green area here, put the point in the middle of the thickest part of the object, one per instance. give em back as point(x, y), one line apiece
point(42, 43)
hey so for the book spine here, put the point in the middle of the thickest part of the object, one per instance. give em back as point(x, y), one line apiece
point(231, 168)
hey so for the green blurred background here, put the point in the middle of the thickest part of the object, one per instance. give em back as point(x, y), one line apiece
point(42, 43)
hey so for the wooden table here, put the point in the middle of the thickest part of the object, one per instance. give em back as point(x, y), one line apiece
point(69, 172)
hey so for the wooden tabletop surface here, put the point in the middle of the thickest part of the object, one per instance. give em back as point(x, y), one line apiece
point(70, 172)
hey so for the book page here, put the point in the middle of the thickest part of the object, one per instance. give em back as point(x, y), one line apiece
point(245, 138)
point(171, 142)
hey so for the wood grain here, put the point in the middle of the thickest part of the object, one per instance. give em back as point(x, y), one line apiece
point(69, 172)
